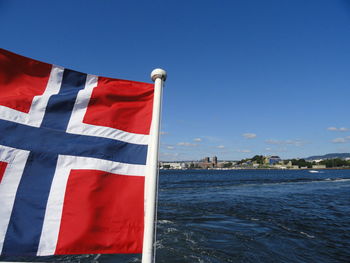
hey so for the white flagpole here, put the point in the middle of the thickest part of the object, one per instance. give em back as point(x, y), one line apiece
point(148, 251)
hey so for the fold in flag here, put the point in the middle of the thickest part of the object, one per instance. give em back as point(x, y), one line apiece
point(73, 151)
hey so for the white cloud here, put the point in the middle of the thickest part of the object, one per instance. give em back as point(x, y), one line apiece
point(340, 140)
point(197, 139)
point(170, 147)
point(163, 133)
point(169, 156)
point(244, 151)
point(286, 142)
point(271, 141)
point(220, 146)
point(187, 144)
point(341, 129)
point(212, 138)
point(276, 150)
point(249, 135)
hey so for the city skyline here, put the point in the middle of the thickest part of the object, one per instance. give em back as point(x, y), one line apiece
point(244, 77)
point(207, 158)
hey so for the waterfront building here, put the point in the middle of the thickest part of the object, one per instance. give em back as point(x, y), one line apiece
point(274, 159)
point(215, 161)
point(267, 160)
point(171, 165)
point(318, 166)
point(289, 164)
point(206, 163)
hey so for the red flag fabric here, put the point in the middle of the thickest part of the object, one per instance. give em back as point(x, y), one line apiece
point(73, 150)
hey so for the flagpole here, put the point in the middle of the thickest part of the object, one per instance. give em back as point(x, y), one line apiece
point(151, 180)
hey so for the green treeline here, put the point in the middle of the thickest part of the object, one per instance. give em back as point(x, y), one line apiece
point(330, 163)
point(257, 158)
point(302, 163)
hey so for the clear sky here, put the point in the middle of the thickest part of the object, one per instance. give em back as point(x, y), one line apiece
point(245, 77)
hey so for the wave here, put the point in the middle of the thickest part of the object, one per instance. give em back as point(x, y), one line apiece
point(311, 181)
point(297, 181)
point(249, 183)
point(165, 222)
point(307, 235)
point(341, 180)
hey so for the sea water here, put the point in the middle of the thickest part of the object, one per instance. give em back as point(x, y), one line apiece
point(247, 216)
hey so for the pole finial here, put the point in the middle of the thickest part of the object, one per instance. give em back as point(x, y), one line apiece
point(158, 73)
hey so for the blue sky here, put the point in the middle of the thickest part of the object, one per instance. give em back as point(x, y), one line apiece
point(244, 77)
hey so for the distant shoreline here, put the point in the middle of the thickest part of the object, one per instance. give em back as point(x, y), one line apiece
point(230, 169)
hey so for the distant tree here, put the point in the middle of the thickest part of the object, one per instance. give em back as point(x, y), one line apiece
point(228, 165)
point(194, 165)
point(301, 163)
point(242, 161)
point(333, 163)
point(258, 159)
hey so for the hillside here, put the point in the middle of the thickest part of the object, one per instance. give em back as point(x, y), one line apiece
point(329, 156)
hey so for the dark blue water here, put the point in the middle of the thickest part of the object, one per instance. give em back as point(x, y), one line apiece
point(248, 216)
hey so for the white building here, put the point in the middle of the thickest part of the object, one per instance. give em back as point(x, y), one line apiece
point(171, 165)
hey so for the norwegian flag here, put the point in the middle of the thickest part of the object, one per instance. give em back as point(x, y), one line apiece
point(73, 150)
